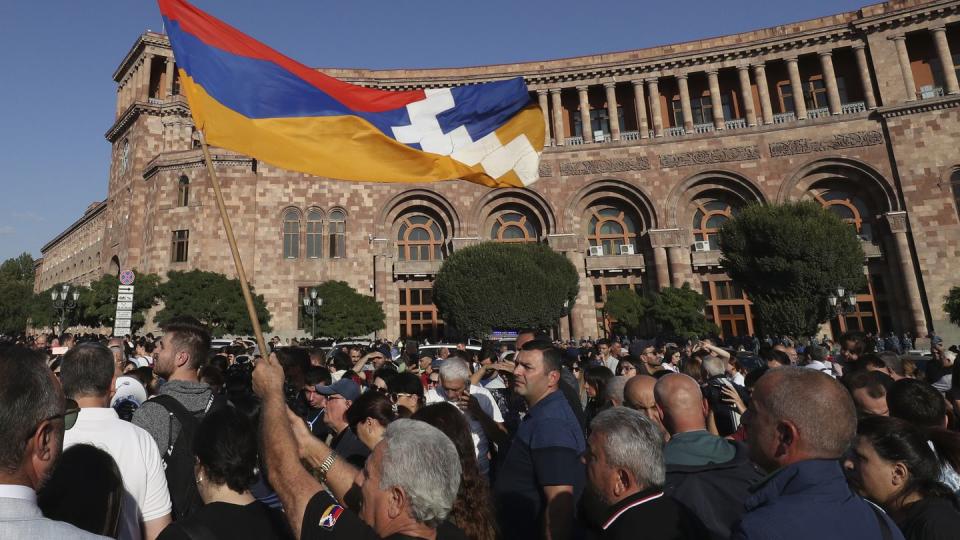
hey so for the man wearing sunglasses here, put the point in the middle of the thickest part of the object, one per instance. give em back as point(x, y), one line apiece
point(33, 416)
point(87, 375)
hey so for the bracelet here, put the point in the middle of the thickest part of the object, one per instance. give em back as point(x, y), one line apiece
point(325, 467)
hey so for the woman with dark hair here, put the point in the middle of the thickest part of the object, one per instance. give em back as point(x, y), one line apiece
point(225, 446)
point(628, 367)
point(893, 465)
point(381, 377)
point(406, 391)
point(693, 367)
point(369, 415)
point(85, 490)
point(472, 510)
point(595, 381)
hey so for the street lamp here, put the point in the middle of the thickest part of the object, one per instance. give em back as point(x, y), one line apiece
point(843, 301)
point(311, 304)
point(64, 301)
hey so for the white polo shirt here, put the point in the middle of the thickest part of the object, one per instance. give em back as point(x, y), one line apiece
point(488, 405)
point(146, 496)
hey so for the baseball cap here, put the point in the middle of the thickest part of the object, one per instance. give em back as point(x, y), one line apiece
point(345, 387)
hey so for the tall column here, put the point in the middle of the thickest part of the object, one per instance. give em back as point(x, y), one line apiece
point(830, 80)
point(675, 255)
point(905, 71)
point(557, 116)
point(746, 95)
point(119, 100)
point(612, 112)
point(946, 61)
point(662, 266)
point(668, 256)
point(545, 109)
point(168, 86)
point(715, 101)
point(766, 110)
point(685, 108)
point(640, 101)
point(654, 90)
point(861, 55)
point(585, 128)
point(799, 106)
point(898, 226)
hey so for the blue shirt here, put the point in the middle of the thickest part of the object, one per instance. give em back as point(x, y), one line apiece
point(545, 451)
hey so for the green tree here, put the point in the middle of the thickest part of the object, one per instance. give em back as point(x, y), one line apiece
point(213, 299)
point(346, 313)
point(628, 309)
point(679, 313)
point(788, 257)
point(98, 302)
point(504, 286)
point(42, 314)
point(951, 304)
point(16, 293)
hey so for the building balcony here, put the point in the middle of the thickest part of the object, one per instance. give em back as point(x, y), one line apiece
point(674, 131)
point(736, 123)
point(853, 108)
point(599, 263)
point(416, 268)
point(822, 112)
point(705, 259)
point(871, 250)
point(573, 141)
point(703, 128)
point(783, 118)
point(630, 136)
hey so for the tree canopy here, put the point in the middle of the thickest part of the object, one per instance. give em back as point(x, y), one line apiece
point(951, 305)
point(98, 301)
point(16, 293)
point(788, 258)
point(504, 286)
point(212, 298)
point(628, 309)
point(345, 312)
point(678, 312)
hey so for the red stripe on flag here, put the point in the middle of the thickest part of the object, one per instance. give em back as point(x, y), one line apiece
point(217, 33)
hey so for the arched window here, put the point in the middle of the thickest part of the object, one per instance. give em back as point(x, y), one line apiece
point(314, 234)
point(419, 238)
point(611, 227)
point(124, 156)
point(291, 234)
point(708, 217)
point(848, 207)
point(514, 227)
point(338, 234)
point(183, 191)
point(955, 189)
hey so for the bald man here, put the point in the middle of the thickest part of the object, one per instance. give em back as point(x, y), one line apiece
point(799, 423)
point(708, 474)
point(638, 395)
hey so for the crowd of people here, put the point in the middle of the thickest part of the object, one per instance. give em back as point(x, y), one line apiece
point(163, 438)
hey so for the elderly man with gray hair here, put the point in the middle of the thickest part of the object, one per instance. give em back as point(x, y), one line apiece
point(625, 469)
point(476, 402)
point(408, 484)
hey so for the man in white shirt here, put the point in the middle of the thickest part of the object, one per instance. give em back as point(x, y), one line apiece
point(87, 375)
point(483, 415)
point(33, 417)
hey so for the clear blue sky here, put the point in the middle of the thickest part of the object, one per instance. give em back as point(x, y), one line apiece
point(57, 95)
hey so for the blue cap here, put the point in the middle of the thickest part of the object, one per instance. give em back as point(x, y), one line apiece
point(345, 387)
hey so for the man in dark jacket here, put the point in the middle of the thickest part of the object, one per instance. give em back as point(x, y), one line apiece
point(799, 424)
point(707, 474)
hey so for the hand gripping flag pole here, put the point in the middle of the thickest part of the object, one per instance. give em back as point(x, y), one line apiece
point(237, 263)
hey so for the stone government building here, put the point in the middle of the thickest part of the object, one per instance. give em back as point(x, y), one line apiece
point(859, 111)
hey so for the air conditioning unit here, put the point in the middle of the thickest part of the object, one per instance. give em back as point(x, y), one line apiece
point(701, 246)
point(596, 251)
point(626, 249)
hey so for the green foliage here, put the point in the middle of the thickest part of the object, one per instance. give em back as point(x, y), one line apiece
point(788, 257)
point(628, 309)
point(98, 302)
point(504, 286)
point(16, 293)
point(212, 298)
point(679, 313)
point(345, 312)
point(41, 313)
point(951, 304)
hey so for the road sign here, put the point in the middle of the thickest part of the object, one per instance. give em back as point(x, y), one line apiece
point(122, 321)
point(126, 278)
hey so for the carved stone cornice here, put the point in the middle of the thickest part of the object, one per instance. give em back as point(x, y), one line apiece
point(897, 221)
point(193, 159)
point(176, 106)
point(148, 39)
point(666, 238)
point(919, 106)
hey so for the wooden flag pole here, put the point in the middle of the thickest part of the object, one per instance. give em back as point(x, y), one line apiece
point(241, 275)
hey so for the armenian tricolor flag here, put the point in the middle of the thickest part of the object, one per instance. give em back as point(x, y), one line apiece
point(247, 97)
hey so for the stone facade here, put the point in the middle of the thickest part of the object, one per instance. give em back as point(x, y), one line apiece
point(74, 255)
point(680, 136)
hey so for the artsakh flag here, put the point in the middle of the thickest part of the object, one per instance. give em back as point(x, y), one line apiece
point(249, 98)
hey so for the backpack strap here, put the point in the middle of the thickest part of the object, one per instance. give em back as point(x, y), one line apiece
point(885, 531)
point(175, 409)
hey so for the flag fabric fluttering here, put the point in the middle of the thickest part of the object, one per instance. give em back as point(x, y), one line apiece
point(249, 98)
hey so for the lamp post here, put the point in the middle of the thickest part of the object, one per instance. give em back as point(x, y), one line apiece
point(842, 302)
point(64, 301)
point(311, 304)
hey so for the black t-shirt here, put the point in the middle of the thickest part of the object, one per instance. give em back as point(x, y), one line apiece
point(227, 521)
point(325, 519)
point(350, 448)
point(932, 518)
